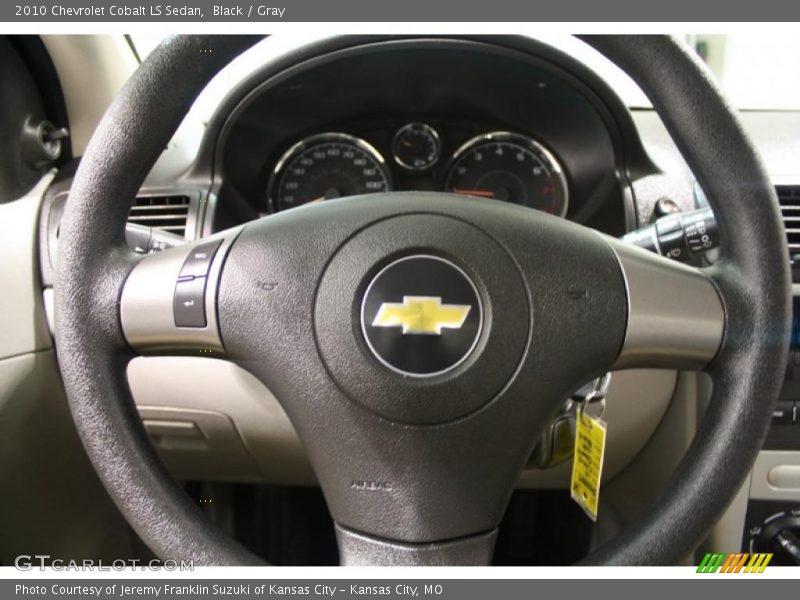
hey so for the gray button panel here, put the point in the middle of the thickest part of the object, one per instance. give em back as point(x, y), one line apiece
point(154, 312)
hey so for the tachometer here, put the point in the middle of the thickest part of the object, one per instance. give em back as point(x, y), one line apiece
point(509, 167)
point(325, 166)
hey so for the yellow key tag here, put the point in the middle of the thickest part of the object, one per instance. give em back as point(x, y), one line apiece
point(587, 464)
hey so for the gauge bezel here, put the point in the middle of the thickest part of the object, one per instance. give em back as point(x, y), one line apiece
point(316, 140)
point(427, 129)
point(545, 154)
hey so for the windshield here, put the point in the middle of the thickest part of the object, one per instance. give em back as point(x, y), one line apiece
point(756, 71)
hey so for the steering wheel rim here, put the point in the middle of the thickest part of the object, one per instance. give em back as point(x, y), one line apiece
point(95, 264)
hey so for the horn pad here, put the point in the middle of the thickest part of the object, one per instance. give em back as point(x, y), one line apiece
point(414, 334)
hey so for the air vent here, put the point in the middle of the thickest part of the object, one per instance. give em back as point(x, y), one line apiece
point(168, 213)
point(789, 199)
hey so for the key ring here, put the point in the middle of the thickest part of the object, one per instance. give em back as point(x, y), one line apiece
point(593, 394)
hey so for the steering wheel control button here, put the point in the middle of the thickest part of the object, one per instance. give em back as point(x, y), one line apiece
point(421, 316)
point(189, 303)
point(198, 262)
point(189, 300)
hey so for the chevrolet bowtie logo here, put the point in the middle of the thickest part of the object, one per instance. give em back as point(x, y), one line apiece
point(425, 315)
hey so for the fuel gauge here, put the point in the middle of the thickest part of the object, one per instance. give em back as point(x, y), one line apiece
point(416, 147)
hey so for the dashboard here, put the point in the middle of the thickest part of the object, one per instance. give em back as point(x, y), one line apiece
point(502, 119)
point(498, 118)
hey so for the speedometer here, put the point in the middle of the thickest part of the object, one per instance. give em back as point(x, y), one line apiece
point(509, 167)
point(325, 166)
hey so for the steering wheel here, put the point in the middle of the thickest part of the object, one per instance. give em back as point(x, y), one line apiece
point(420, 341)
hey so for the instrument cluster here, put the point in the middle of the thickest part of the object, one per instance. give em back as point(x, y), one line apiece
point(495, 165)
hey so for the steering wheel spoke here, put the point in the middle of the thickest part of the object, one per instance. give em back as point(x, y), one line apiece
point(676, 317)
point(169, 300)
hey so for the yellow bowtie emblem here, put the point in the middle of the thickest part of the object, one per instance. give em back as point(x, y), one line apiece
point(424, 315)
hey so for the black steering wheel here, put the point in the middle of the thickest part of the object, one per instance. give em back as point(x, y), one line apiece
point(420, 341)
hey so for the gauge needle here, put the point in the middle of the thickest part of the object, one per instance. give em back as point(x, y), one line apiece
point(329, 194)
point(481, 193)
